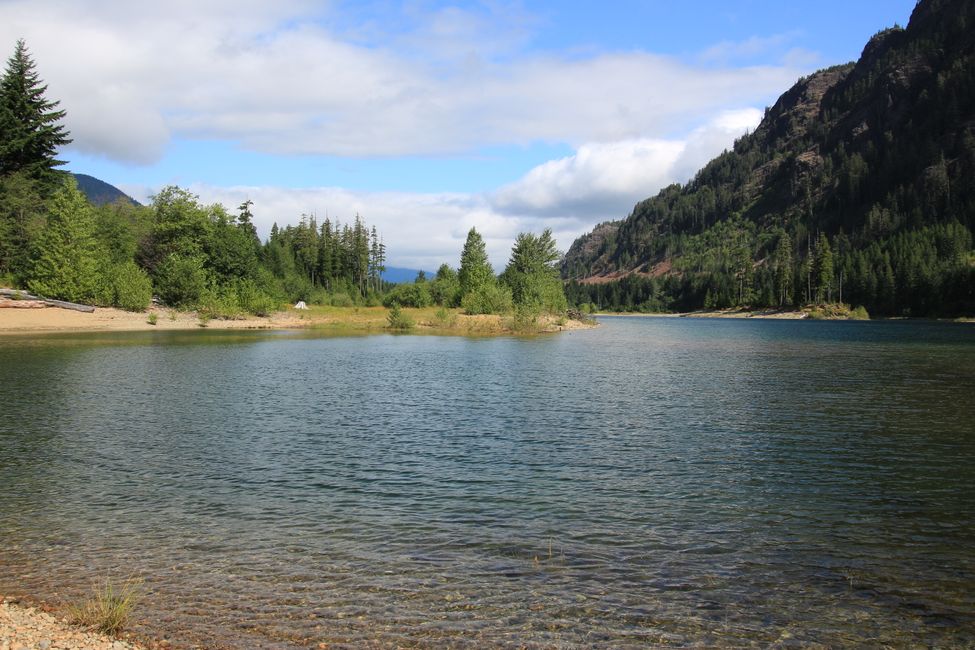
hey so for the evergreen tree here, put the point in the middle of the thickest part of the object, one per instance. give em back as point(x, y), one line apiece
point(475, 269)
point(445, 287)
point(30, 133)
point(66, 254)
point(823, 271)
point(782, 267)
point(533, 275)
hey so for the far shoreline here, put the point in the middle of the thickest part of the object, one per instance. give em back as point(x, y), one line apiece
point(765, 314)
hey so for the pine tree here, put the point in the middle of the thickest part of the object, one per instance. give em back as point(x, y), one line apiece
point(823, 271)
point(475, 269)
point(30, 133)
point(66, 254)
point(533, 274)
point(783, 270)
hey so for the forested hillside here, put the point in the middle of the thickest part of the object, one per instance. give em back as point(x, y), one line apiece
point(858, 186)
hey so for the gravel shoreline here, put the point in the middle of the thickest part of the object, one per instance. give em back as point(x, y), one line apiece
point(23, 627)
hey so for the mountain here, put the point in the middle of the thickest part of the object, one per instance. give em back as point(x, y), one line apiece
point(398, 275)
point(99, 192)
point(859, 185)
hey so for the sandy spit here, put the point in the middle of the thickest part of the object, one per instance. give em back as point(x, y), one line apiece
point(18, 318)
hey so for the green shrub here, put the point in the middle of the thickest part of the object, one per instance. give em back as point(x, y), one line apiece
point(297, 287)
point(181, 281)
point(131, 288)
point(524, 319)
point(220, 302)
point(253, 300)
point(488, 299)
point(342, 300)
point(859, 313)
point(409, 295)
point(152, 319)
point(397, 320)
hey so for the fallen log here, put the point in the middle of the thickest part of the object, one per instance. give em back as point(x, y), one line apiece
point(63, 304)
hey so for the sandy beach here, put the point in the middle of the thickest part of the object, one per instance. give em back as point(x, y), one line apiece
point(27, 320)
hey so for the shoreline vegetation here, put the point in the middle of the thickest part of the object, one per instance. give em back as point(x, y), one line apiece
point(810, 312)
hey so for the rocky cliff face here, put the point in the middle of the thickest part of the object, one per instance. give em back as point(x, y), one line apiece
point(860, 152)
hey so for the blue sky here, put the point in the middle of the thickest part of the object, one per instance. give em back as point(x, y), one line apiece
point(426, 118)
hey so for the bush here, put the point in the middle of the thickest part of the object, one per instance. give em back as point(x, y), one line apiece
point(525, 319)
point(297, 287)
point(220, 302)
point(181, 281)
point(318, 296)
point(342, 300)
point(129, 286)
point(489, 299)
point(253, 300)
point(397, 320)
point(409, 295)
point(859, 313)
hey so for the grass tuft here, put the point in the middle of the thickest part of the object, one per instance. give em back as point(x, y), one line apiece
point(152, 319)
point(397, 320)
point(108, 609)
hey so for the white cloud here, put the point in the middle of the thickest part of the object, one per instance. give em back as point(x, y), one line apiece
point(280, 78)
point(569, 195)
point(603, 180)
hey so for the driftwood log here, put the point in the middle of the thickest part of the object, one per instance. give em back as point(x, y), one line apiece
point(23, 295)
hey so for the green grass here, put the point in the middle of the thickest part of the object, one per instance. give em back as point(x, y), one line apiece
point(152, 319)
point(109, 607)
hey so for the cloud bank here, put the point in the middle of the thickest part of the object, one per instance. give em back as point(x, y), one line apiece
point(287, 78)
point(570, 195)
point(302, 78)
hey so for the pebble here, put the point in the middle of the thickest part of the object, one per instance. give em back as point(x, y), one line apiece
point(24, 628)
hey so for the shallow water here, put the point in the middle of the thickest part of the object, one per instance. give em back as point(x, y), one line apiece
point(651, 482)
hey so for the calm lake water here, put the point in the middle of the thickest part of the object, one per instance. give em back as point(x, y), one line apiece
point(650, 482)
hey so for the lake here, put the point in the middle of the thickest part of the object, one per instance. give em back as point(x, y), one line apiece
point(655, 481)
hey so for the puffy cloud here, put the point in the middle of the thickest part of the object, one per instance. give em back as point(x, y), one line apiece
point(290, 78)
point(603, 181)
point(569, 195)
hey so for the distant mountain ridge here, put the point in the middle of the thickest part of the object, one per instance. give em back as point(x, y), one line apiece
point(875, 158)
point(398, 275)
point(99, 192)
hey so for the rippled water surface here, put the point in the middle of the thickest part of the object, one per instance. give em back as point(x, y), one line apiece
point(651, 482)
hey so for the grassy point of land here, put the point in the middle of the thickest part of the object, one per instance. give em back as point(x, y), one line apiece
point(428, 320)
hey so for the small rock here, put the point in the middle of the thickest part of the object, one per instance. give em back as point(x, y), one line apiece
point(44, 644)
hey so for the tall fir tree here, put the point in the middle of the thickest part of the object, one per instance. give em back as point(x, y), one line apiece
point(66, 253)
point(30, 129)
point(823, 270)
point(475, 269)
